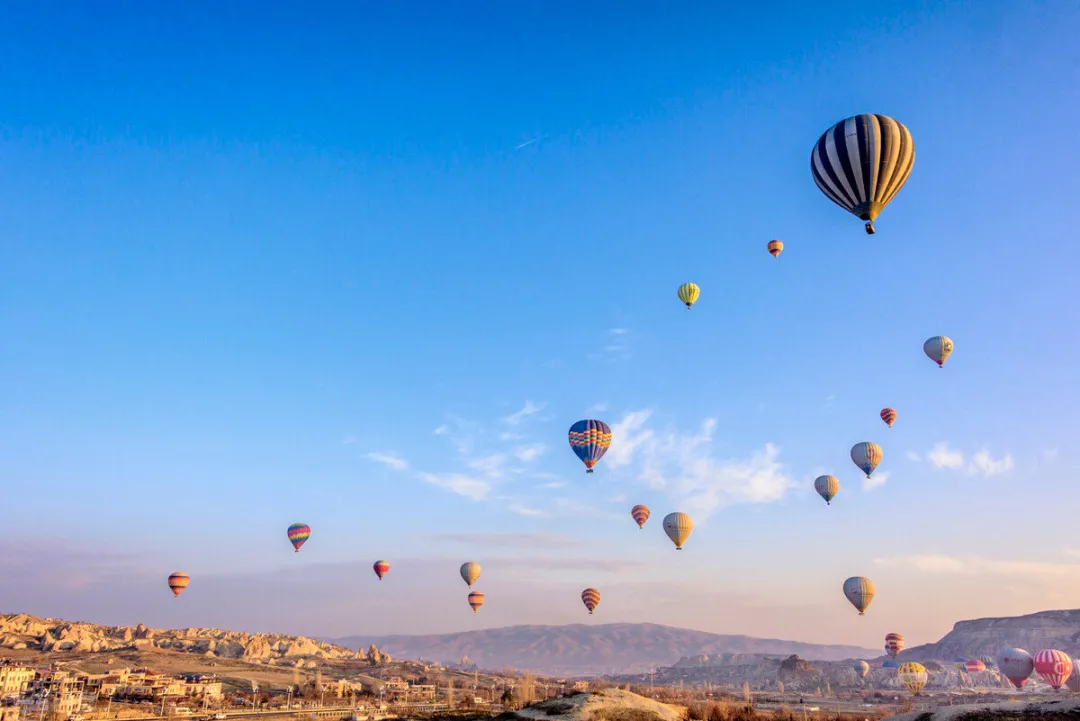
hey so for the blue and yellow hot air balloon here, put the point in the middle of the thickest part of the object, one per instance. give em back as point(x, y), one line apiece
point(590, 440)
point(827, 487)
point(866, 455)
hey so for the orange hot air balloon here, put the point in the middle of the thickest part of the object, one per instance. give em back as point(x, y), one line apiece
point(889, 416)
point(476, 600)
point(640, 514)
point(178, 582)
point(776, 247)
point(381, 567)
point(591, 598)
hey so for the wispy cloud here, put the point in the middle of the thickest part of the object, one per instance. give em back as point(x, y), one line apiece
point(504, 540)
point(528, 454)
point(618, 331)
point(348, 440)
point(616, 345)
point(529, 409)
point(981, 463)
point(880, 478)
point(389, 459)
point(460, 483)
point(913, 456)
point(685, 466)
point(553, 484)
point(597, 408)
point(935, 563)
point(523, 510)
point(490, 465)
point(527, 143)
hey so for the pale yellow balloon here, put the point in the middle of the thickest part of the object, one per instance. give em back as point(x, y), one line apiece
point(470, 571)
point(689, 293)
point(860, 592)
point(678, 527)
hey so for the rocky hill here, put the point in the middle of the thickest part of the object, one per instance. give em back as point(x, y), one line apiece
point(1062, 710)
point(19, 631)
point(580, 649)
point(985, 636)
point(609, 704)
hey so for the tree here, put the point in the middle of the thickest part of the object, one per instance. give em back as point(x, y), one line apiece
point(780, 686)
point(828, 689)
point(747, 696)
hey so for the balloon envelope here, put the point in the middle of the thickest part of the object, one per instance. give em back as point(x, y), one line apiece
point(689, 293)
point(591, 598)
point(178, 582)
point(862, 668)
point(889, 416)
point(590, 440)
point(1053, 665)
point(640, 514)
point(894, 644)
point(1016, 665)
point(476, 600)
point(298, 535)
point(866, 455)
point(860, 592)
point(827, 487)
point(470, 571)
point(913, 676)
point(938, 349)
point(776, 247)
point(678, 527)
point(381, 567)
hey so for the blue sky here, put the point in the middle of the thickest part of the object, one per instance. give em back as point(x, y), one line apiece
point(265, 264)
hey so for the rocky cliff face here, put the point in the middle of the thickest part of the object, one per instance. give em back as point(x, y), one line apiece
point(985, 636)
point(19, 631)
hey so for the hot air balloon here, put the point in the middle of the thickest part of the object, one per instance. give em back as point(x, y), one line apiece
point(178, 582)
point(298, 535)
point(589, 440)
point(776, 247)
point(470, 571)
point(381, 567)
point(974, 665)
point(938, 349)
point(678, 527)
point(862, 669)
point(1073, 681)
point(689, 293)
point(591, 598)
point(862, 162)
point(1016, 665)
point(866, 456)
point(640, 514)
point(913, 676)
point(894, 644)
point(889, 416)
point(1053, 665)
point(827, 487)
point(860, 592)
point(476, 600)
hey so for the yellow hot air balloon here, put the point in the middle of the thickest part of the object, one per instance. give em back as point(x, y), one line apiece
point(591, 598)
point(913, 676)
point(640, 514)
point(938, 349)
point(689, 293)
point(178, 582)
point(678, 527)
point(860, 592)
point(476, 600)
point(470, 571)
point(776, 247)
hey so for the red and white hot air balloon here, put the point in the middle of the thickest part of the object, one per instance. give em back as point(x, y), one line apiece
point(1053, 665)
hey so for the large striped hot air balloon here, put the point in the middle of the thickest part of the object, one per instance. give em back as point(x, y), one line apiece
point(827, 487)
point(938, 349)
point(178, 582)
point(894, 644)
point(591, 598)
point(776, 247)
point(889, 416)
point(860, 592)
point(298, 535)
point(913, 676)
point(862, 162)
point(862, 669)
point(1053, 665)
point(974, 665)
point(381, 567)
point(476, 600)
point(866, 456)
point(640, 514)
point(470, 571)
point(1016, 665)
point(590, 440)
point(678, 527)
point(689, 293)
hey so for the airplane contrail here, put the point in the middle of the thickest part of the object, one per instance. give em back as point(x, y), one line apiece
point(529, 142)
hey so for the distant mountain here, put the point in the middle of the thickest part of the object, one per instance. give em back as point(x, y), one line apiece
point(580, 649)
point(985, 636)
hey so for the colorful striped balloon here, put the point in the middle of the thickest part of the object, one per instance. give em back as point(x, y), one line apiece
point(776, 247)
point(894, 644)
point(298, 535)
point(381, 567)
point(1053, 665)
point(178, 582)
point(889, 416)
point(866, 456)
point(591, 598)
point(476, 600)
point(590, 440)
point(640, 514)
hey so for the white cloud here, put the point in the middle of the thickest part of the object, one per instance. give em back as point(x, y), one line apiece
point(553, 484)
point(618, 331)
point(529, 409)
point(442, 430)
point(926, 563)
point(528, 454)
point(1072, 552)
point(618, 498)
point(980, 464)
point(913, 456)
point(597, 408)
point(461, 484)
point(684, 465)
point(491, 465)
point(388, 459)
point(880, 478)
point(522, 510)
point(933, 563)
point(348, 440)
point(508, 436)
